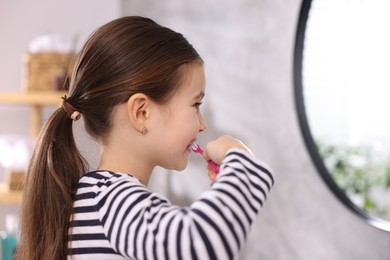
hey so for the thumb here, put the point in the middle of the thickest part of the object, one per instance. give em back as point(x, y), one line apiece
point(212, 174)
point(205, 155)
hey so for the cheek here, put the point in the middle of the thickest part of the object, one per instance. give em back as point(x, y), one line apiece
point(192, 123)
point(181, 128)
point(178, 136)
point(186, 130)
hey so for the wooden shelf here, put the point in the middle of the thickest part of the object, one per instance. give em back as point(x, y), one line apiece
point(8, 196)
point(43, 98)
point(36, 99)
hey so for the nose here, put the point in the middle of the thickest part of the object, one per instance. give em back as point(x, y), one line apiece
point(202, 123)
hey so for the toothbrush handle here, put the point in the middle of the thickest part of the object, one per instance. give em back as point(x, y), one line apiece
point(213, 166)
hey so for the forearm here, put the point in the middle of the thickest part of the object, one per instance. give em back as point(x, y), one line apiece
point(214, 227)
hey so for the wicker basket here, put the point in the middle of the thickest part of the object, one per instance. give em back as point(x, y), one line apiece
point(15, 180)
point(47, 71)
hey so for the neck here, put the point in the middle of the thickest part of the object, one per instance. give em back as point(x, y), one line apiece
point(125, 163)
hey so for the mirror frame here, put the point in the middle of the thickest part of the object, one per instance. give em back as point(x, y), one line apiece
point(305, 129)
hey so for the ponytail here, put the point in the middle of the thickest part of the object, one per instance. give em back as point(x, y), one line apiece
point(51, 183)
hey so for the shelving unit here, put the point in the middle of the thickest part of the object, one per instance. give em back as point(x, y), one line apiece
point(8, 196)
point(37, 100)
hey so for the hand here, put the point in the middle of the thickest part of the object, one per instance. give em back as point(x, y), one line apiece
point(217, 149)
point(212, 174)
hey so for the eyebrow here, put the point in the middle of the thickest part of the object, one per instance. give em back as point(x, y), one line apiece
point(200, 95)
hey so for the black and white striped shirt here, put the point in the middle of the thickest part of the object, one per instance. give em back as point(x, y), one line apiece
point(117, 217)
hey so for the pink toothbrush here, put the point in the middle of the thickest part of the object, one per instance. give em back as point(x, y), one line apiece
point(196, 148)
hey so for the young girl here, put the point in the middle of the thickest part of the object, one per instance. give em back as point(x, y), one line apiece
point(138, 87)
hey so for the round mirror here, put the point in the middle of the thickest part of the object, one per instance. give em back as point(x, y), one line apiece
point(342, 87)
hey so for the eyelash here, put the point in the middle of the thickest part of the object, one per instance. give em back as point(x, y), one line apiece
point(197, 104)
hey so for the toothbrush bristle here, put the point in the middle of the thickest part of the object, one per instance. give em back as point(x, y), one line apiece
point(194, 147)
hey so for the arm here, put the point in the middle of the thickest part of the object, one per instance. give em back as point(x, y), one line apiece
point(146, 226)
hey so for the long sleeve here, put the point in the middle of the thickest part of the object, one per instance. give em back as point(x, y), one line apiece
point(140, 224)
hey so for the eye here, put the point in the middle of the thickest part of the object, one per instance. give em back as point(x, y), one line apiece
point(197, 105)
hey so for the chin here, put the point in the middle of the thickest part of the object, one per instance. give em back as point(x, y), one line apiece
point(180, 167)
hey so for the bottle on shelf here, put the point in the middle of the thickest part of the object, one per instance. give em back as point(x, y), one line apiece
point(9, 237)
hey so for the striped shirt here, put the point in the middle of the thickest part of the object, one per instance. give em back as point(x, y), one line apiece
point(117, 217)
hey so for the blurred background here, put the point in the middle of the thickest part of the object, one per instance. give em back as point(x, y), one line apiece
point(248, 49)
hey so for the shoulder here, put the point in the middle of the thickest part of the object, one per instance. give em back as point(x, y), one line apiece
point(99, 181)
point(105, 177)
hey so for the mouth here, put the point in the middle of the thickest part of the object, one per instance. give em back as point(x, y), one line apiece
point(189, 147)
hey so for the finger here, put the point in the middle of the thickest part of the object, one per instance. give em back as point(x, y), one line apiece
point(205, 156)
point(212, 174)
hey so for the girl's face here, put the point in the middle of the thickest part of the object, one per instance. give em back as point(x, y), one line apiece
point(179, 121)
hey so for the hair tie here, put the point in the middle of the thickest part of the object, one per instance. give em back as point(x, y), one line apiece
point(69, 109)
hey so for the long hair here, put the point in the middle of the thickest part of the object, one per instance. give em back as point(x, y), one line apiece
point(126, 56)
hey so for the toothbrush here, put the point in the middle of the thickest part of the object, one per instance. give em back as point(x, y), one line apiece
point(196, 148)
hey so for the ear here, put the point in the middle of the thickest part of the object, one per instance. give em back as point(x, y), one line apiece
point(138, 110)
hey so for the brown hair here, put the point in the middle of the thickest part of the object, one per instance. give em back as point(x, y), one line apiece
point(126, 56)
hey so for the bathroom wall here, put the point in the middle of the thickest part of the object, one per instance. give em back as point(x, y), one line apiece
point(248, 49)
